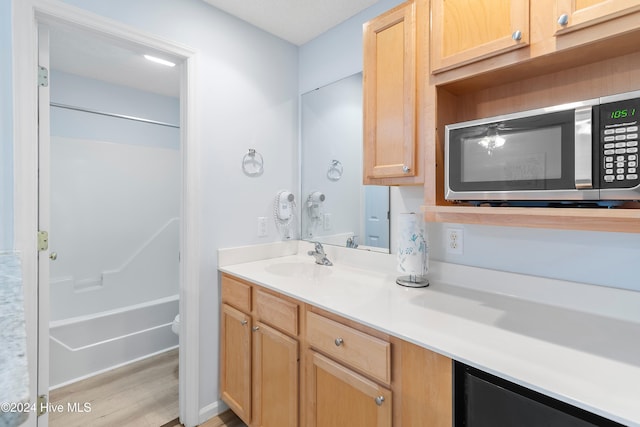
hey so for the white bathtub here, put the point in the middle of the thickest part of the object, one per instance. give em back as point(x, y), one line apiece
point(85, 346)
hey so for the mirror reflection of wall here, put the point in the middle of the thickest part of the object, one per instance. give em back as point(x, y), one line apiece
point(335, 207)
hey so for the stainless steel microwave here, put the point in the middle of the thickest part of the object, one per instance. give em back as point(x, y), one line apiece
point(578, 152)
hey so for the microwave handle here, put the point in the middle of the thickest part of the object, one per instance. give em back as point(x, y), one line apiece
point(583, 148)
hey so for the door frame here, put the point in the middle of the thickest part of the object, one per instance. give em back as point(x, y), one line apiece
point(27, 16)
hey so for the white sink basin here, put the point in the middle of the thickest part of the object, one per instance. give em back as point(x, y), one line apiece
point(303, 271)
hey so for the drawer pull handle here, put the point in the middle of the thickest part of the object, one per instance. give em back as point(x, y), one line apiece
point(517, 35)
point(563, 19)
point(244, 322)
point(339, 342)
point(255, 328)
point(379, 400)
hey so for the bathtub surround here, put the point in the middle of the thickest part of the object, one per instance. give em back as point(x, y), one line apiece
point(86, 346)
point(115, 248)
point(115, 191)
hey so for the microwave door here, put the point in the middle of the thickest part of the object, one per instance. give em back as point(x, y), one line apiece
point(520, 158)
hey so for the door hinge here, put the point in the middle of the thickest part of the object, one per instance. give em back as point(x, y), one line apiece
point(43, 241)
point(42, 404)
point(43, 76)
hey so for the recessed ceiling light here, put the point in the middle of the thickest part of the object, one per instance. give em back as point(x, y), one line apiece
point(160, 61)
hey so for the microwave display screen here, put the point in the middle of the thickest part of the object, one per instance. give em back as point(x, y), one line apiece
point(499, 155)
point(622, 113)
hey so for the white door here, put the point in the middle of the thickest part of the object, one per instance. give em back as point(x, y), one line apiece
point(376, 214)
point(44, 256)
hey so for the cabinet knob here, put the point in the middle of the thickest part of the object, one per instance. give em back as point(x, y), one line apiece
point(379, 400)
point(255, 328)
point(244, 322)
point(563, 19)
point(406, 169)
point(517, 35)
point(339, 342)
point(53, 256)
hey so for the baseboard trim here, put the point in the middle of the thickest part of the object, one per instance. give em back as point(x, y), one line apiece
point(212, 410)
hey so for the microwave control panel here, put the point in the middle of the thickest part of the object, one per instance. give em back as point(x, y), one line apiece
point(619, 144)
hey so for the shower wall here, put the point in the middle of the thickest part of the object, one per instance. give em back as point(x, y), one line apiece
point(115, 200)
point(114, 225)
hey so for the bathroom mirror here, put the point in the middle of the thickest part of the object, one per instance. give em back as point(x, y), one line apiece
point(335, 208)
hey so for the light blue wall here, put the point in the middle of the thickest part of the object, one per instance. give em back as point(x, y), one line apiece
point(6, 129)
point(337, 53)
point(608, 259)
point(77, 91)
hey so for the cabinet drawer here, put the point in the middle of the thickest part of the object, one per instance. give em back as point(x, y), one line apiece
point(236, 293)
point(368, 354)
point(277, 312)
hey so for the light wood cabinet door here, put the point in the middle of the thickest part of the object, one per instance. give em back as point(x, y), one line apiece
point(575, 14)
point(275, 380)
point(466, 31)
point(424, 381)
point(338, 397)
point(389, 93)
point(235, 361)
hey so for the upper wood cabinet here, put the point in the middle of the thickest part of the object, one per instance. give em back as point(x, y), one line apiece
point(576, 14)
point(389, 95)
point(483, 43)
point(466, 31)
point(478, 71)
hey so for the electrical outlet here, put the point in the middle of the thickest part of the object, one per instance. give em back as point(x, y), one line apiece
point(262, 226)
point(454, 240)
point(326, 222)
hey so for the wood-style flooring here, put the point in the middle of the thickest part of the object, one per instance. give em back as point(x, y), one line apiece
point(142, 394)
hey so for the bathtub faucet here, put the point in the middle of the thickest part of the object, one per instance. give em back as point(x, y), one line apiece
point(319, 255)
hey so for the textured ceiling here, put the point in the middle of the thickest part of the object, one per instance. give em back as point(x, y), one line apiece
point(296, 21)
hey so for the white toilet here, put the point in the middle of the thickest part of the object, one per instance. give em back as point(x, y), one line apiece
point(175, 326)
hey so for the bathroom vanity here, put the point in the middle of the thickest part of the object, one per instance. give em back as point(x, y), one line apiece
point(298, 339)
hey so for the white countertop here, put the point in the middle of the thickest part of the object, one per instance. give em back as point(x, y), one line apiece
point(578, 343)
point(14, 374)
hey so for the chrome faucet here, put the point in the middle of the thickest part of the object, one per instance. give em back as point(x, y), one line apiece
point(352, 242)
point(319, 255)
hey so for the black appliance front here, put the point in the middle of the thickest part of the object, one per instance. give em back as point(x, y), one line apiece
point(523, 154)
point(484, 400)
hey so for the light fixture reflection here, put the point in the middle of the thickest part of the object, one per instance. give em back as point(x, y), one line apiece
point(492, 140)
point(159, 61)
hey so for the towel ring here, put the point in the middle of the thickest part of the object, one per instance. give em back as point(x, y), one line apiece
point(252, 163)
point(335, 170)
